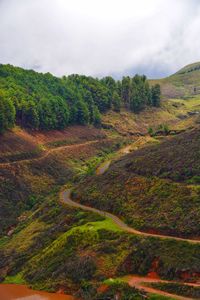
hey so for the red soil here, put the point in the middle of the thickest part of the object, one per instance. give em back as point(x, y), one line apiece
point(19, 140)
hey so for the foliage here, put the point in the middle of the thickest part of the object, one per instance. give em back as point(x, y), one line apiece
point(155, 95)
point(7, 113)
point(42, 101)
point(136, 93)
point(137, 187)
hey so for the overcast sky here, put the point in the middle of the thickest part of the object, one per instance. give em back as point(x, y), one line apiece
point(100, 37)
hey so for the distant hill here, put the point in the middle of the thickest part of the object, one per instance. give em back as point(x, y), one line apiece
point(183, 84)
point(189, 68)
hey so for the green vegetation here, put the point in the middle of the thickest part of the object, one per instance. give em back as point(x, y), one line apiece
point(47, 102)
point(159, 297)
point(162, 129)
point(139, 187)
point(7, 113)
point(88, 168)
point(136, 93)
point(61, 238)
point(179, 289)
point(16, 279)
point(51, 246)
point(183, 84)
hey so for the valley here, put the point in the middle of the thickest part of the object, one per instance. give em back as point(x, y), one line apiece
point(84, 207)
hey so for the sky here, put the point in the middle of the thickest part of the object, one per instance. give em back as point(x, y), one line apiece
point(100, 37)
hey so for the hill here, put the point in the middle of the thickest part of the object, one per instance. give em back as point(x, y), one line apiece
point(42, 101)
point(49, 245)
point(183, 84)
point(155, 188)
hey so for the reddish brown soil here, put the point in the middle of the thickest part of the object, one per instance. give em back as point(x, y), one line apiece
point(153, 270)
point(185, 275)
point(14, 292)
point(18, 141)
point(79, 132)
point(102, 289)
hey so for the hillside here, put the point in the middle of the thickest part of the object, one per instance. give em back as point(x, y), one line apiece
point(154, 188)
point(42, 101)
point(49, 245)
point(183, 84)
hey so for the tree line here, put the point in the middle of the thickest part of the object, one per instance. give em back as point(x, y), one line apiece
point(43, 101)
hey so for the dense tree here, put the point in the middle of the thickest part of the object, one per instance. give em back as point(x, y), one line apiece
point(116, 101)
point(43, 101)
point(7, 113)
point(110, 83)
point(126, 91)
point(29, 115)
point(82, 113)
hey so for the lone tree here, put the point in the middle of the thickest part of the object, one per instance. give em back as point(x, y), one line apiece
point(156, 94)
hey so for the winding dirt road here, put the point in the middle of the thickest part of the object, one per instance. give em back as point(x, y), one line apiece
point(46, 153)
point(135, 281)
point(140, 283)
point(66, 198)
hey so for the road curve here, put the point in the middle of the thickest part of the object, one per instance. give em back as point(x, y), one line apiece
point(65, 197)
point(136, 281)
point(139, 283)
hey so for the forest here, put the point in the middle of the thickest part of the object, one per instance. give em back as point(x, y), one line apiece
point(42, 101)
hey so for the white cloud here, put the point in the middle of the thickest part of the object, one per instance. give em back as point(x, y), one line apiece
point(100, 37)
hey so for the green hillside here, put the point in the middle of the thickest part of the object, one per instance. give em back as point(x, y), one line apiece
point(152, 184)
point(155, 188)
point(42, 101)
point(183, 84)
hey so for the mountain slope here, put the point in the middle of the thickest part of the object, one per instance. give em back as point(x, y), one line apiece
point(143, 187)
point(183, 84)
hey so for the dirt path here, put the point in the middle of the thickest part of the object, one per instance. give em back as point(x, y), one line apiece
point(135, 281)
point(66, 198)
point(48, 152)
point(132, 147)
point(139, 282)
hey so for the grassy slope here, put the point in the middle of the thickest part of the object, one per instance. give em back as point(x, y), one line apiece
point(177, 113)
point(183, 84)
point(61, 238)
point(140, 188)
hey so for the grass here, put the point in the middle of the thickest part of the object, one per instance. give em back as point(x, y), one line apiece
point(69, 237)
point(159, 297)
point(3, 241)
point(88, 167)
point(16, 279)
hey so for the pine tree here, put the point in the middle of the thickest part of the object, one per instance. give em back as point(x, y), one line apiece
point(156, 95)
point(116, 102)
